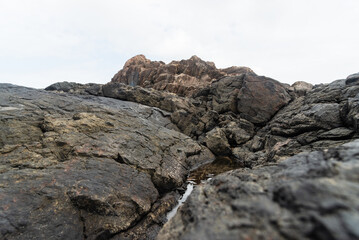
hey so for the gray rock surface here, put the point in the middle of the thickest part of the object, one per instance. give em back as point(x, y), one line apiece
point(75, 167)
point(308, 196)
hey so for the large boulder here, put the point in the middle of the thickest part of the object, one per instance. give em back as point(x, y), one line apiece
point(254, 98)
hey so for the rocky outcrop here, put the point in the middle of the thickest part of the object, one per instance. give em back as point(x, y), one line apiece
point(75, 167)
point(308, 196)
point(256, 126)
point(181, 77)
point(232, 103)
point(252, 123)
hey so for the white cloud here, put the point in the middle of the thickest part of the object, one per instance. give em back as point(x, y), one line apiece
point(289, 40)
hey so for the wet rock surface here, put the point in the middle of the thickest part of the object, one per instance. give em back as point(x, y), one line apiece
point(308, 196)
point(75, 167)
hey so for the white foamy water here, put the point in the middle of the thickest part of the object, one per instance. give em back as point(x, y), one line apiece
point(189, 190)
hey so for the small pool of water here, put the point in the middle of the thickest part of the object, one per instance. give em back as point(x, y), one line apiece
point(219, 165)
point(203, 174)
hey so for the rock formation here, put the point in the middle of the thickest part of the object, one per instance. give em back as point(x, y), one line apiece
point(254, 119)
point(181, 77)
point(93, 162)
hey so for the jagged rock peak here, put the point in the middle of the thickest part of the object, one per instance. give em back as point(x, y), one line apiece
point(183, 77)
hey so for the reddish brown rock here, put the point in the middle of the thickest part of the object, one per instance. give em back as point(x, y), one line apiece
point(183, 77)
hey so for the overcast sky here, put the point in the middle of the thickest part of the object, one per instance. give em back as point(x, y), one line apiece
point(46, 41)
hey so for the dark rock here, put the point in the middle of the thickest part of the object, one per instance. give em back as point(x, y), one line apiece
point(252, 97)
point(324, 117)
point(260, 98)
point(75, 167)
point(62, 86)
point(351, 115)
point(152, 223)
point(76, 88)
point(299, 117)
point(217, 142)
point(327, 93)
point(308, 196)
point(352, 79)
point(235, 134)
point(337, 133)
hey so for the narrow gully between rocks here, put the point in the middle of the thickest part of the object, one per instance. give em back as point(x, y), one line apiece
point(201, 175)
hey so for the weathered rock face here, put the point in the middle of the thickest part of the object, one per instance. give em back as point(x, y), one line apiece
point(308, 196)
point(75, 167)
point(181, 77)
